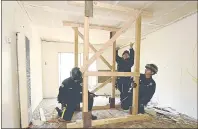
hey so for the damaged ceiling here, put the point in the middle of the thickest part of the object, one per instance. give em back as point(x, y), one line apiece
point(48, 16)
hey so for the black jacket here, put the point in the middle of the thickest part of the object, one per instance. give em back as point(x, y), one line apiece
point(125, 65)
point(70, 91)
point(146, 89)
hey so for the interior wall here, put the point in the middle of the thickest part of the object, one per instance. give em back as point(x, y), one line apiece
point(14, 20)
point(174, 50)
point(50, 69)
point(36, 68)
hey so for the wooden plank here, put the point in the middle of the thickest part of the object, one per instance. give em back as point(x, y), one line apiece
point(102, 85)
point(42, 115)
point(95, 123)
point(125, 74)
point(76, 46)
point(114, 8)
point(103, 107)
point(137, 64)
point(109, 42)
point(92, 26)
point(85, 59)
point(113, 66)
point(93, 49)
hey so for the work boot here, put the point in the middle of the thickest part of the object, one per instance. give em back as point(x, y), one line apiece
point(59, 111)
point(93, 117)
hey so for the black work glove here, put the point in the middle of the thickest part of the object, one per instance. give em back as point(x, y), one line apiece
point(134, 85)
point(92, 94)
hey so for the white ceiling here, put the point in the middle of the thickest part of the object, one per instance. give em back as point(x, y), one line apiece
point(48, 17)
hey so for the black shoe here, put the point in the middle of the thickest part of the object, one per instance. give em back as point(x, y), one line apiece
point(59, 111)
point(93, 117)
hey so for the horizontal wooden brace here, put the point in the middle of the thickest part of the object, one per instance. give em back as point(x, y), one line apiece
point(111, 74)
point(91, 26)
point(96, 123)
point(103, 107)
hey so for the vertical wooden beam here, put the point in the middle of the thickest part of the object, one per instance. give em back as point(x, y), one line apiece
point(86, 113)
point(76, 55)
point(76, 46)
point(112, 99)
point(137, 64)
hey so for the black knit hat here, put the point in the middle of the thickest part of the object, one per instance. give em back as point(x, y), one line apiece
point(126, 51)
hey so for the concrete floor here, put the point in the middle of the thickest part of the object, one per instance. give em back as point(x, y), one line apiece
point(159, 121)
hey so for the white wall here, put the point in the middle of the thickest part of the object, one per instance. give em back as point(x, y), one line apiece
point(50, 69)
point(174, 50)
point(36, 68)
point(13, 20)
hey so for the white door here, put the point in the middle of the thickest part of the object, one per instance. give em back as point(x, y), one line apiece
point(23, 54)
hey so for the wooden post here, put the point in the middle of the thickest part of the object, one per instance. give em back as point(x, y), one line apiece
point(86, 113)
point(137, 65)
point(112, 99)
point(76, 55)
point(76, 47)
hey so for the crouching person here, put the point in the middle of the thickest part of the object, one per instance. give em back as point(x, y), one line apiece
point(147, 88)
point(70, 95)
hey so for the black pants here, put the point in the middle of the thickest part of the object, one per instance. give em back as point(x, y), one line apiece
point(123, 84)
point(71, 108)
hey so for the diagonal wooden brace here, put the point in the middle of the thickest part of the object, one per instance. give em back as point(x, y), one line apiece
point(102, 85)
point(93, 49)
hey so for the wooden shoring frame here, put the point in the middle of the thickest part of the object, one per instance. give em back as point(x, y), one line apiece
point(100, 122)
point(86, 120)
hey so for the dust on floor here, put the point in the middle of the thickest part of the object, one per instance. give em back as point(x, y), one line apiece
point(159, 120)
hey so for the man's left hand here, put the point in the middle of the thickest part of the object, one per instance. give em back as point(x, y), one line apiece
point(131, 45)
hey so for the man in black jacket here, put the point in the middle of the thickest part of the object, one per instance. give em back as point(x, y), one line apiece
point(70, 94)
point(124, 64)
point(147, 88)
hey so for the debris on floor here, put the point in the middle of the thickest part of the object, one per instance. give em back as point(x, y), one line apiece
point(162, 117)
